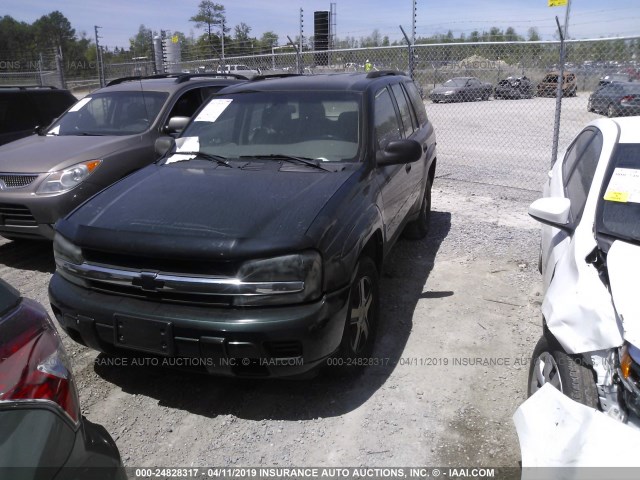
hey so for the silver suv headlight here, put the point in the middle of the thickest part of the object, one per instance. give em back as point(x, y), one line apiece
point(64, 180)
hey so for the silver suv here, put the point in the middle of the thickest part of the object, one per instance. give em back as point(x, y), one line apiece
point(102, 138)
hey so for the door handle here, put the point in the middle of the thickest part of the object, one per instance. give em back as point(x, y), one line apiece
point(407, 167)
point(425, 147)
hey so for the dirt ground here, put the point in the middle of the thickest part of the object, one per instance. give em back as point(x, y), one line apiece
point(460, 317)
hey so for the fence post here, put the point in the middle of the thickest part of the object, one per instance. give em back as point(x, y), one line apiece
point(411, 53)
point(60, 68)
point(40, 70)
point(299, 65)
point(556, 123)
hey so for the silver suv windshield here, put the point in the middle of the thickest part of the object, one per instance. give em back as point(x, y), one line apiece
point(619, 209)
point(322, 125)
point(110, 113)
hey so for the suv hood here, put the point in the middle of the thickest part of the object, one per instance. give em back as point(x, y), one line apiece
point(196, 213)
point(40, 154)
point(623, 265)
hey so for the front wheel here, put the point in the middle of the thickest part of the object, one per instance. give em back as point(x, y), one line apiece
point(611, 112)
point(419, 228)
point(362, 319)
point(568, 373)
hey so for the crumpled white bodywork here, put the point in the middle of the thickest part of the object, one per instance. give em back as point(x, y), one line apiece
point(555, 431)
point(577, 306)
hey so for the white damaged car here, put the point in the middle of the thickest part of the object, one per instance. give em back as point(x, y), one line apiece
point(590, 262)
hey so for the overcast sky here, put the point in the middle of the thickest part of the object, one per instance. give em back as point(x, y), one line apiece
point(120, 19)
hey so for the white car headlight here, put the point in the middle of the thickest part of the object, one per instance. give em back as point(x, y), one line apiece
point(449, 92)
point(64, 180)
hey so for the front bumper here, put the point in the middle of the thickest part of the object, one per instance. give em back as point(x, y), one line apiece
point(27, 215)
point(441, 97)
point(261, 341)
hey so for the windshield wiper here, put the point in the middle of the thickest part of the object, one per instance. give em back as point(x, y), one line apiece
point(311, 162)
point(86, 134)
point(207, 156)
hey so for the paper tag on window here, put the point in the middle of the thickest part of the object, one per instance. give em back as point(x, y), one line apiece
point(213, 109)
point(624, 186)
point(188, 144)
point(178, 157)
point(80, 104)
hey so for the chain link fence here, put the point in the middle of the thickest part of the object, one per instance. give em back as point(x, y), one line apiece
point(492, 103)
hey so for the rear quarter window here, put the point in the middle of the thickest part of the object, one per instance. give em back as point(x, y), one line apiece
point(416, 102)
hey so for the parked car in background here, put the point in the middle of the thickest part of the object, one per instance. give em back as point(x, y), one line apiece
point(461, 89)
point(258, 241)
point(549, 85)
point(239, 70)
point(514, 87)
point(614, 77)
point(43, 430)
point(616, 99)
point(22, 109)
point(102, 138)
point(590, 259)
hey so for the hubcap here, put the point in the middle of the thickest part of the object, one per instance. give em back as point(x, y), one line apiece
point(545, 370)
point(361, 302)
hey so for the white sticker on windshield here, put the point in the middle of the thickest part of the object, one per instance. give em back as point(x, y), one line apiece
point(178, 157)
point(213, 109)
point(54, 131)
point(80, 104)
point(188, 144)
point(624, 186)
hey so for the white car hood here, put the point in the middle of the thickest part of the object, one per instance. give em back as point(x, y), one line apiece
point(623, 265)
point(555, 431)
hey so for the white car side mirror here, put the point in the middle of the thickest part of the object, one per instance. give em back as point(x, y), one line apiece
point(553, 211)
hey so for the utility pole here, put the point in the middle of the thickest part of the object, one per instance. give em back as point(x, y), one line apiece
point(99, 57)
point(413, 21)
point(301, 29)
point(566, 20)
point(223, 43)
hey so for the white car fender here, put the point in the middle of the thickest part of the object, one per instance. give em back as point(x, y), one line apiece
point(577, 306)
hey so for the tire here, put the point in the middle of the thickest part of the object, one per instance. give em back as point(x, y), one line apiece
point(611, 111)
point(361, 326)
point(568, 373)
point(590, 106)
point(419, 228)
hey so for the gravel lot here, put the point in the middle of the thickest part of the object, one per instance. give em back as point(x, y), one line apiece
point(460, 317)
point(505, 142)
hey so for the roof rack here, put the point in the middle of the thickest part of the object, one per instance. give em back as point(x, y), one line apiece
point(274, 75)
point(180, 77)
point(24, 87)
point(384, 73)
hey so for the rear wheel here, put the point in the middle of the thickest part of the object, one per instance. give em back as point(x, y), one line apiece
point(419, 228)
point(568, 373)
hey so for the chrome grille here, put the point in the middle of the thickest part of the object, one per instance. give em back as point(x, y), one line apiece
point(16, 180)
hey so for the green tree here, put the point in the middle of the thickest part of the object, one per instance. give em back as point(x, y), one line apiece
point(209, 16)
point(141, 44)
point(533, 35)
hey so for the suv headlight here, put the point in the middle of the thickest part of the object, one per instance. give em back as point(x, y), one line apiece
point(287, 279)
point(64, 180)
point(64, 250)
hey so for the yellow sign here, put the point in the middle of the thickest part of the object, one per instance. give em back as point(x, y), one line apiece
point(557, 3)
point(175, 39)
point(622, 197)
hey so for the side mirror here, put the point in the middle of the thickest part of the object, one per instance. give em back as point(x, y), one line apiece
point(176, 124)
point(399, 152)
point(552, 211)
point(164, 145)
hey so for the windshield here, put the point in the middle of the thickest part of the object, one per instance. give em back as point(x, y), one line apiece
point(619, 208)
point(455, 82)
point(322, 125)
point(111, 113)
